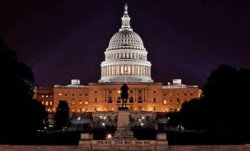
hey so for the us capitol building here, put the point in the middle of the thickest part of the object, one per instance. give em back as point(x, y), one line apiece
point(125, 62)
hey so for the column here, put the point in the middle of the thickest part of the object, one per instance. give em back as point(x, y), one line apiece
point(112, 71)
point(139, 70)
point(117, 70)
point(150, 71)
point(107, 70)
point(143, 70)
point(147, 71)
point(129, 69)
point(133, 70)
point(136, 70)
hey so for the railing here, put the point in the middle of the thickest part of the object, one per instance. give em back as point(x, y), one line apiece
point(124, 145)
point(123, 142)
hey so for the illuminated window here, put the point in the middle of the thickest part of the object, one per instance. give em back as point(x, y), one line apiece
point(80, 102)
point(165, 102)
point(86, 102)
point(46, 103)
point(42, 96)
point(42, 102)
point(50, 103)
point(178, 101)
point(60, 94)
point(47, 96)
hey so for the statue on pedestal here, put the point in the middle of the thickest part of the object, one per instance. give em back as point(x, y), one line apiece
point(124, 95)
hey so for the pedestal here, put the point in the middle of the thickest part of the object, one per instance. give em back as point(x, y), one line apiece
point(123, 127)
point(123, 118)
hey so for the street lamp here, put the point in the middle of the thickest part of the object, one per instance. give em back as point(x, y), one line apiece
point(109, 137)
point(79, 119)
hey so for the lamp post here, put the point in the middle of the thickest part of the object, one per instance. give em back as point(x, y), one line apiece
point(79, 119)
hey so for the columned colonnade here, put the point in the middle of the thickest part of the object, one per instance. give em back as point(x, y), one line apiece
point(126, 55)
point(120, 70)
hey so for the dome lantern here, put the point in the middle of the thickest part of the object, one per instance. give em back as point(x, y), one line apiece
point(126, 20)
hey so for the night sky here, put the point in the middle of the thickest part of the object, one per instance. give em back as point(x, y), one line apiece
point(185, 39)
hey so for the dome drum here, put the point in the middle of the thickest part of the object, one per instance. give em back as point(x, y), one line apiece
point(124, 54)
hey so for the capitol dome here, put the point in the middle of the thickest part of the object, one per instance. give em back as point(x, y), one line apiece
point(125, 57)
point(126, 39)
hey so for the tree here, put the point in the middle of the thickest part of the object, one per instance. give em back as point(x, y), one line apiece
point(224, 107)
point(19, 112)
point(62, 115)
point(228, 100)
point(193, 115)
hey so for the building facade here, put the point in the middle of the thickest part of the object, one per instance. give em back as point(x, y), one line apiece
point(45, 96)
point(125, 62)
